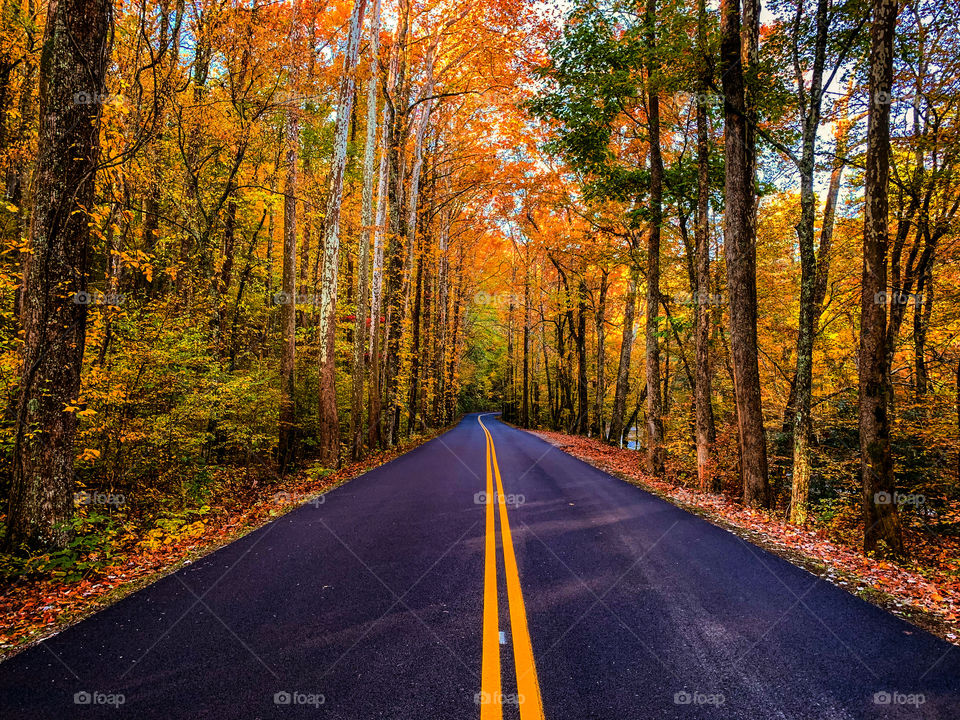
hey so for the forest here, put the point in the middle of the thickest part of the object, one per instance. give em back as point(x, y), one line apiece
point(250, 242)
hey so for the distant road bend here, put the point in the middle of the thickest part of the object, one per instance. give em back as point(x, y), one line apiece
point(488, 575)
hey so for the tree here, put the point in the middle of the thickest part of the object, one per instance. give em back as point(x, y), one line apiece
point(367, 238)
point(286, 451)
point(739, 243)
point(703, 401)
point(881, 521)
point(76, 52)
point(329, 421)
point(622, 388)
point(654, 398)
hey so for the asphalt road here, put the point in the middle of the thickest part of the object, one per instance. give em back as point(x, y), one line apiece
point(405, 594)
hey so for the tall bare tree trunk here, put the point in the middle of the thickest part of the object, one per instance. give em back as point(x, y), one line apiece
point(416, 348)
point(880, 518)
point(599, 429)
point(367, 233)
point(622, 389)
point(329, 422)
point(374, 394)
point(703, 392)
point(76, 52)
point(288, 291)
point(525, 407)
point(654, 400)
point(396, 270)
point(740, 250)
point(402, 302)
point(443, 302)
point(582, 422)
point(810, 108)
point(921, 323)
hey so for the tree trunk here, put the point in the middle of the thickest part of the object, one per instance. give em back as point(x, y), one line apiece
point(600, 326)
point(525, 408)
point(329, 422)
point(703, 391)
point(286, 449)
point(75, 56)
point(414, 288)
point(374, 437)
point(654, 401)
point(416, 350)
point(921, 322)
point(881, 522)
point(583, 405)
point(443, 304)
point(740, 252)
point(617, 426)
point(457, 318)
point(509, 396)
point(803, 388)
point(367, 233)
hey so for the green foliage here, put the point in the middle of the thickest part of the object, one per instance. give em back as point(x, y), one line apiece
point(92, 547)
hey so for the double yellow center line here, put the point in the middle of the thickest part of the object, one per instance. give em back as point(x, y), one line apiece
point(528, 687)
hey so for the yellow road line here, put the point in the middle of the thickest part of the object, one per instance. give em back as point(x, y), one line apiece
point(490, 690)
point(528, 685)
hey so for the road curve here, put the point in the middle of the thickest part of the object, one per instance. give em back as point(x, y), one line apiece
point(488, 575)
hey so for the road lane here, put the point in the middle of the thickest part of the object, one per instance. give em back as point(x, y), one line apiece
point(377, 604)
point(527, 696)
point(639, 609)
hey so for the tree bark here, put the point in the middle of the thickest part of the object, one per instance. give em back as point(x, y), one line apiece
point(583, 404)
point(654, 402)
point(374, 436)
point(416, 349)
point(362, 336)
point(76, 52)
point(617, 426)
point(525, 407)
point(921, 322)
point(598, 428)
point(810, 108)
point(286, 449)
point(881, 522)
point(740, 253)
point(329, 421)
point(703, 407)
